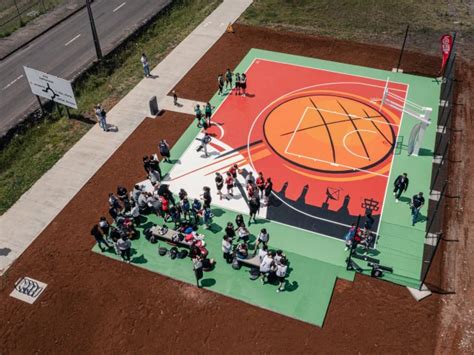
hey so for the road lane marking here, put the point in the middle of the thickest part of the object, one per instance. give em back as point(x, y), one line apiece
point(72, 40)
point(12, 82)
point(118, 7)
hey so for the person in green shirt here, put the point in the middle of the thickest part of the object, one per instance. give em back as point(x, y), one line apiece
point(228, 79)
point(207, 113)
point(198, 112)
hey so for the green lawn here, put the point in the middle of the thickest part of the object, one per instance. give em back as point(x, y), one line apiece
point(31, 153)
point(383, 22)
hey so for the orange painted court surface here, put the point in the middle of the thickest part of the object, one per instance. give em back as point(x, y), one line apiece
point(318, 134)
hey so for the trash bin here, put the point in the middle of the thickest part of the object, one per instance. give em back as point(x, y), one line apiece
point(153, 106)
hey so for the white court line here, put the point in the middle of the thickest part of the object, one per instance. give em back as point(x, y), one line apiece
point(390, 173)
point(354, 116)
point(338, 72)
point(12, 82)
point(119, 7)
point(296, 129)
point(72, 40)
point(336, 164)
point(347, 148)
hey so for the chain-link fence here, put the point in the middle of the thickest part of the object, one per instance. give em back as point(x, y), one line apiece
point(440, 178)
point(16, 13)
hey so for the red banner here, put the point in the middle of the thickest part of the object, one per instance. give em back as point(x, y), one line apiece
point(446, 45)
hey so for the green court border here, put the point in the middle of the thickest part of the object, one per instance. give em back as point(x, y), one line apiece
point(316, 260)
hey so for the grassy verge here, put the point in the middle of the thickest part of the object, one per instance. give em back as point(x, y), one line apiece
point(31, 153)
point(374, 21)
point(29, 10)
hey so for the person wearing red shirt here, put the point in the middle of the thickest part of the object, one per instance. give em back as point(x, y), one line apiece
point(233, 172)
point(229, 182)
point(260, 184)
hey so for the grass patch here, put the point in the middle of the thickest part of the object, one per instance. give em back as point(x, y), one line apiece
point(382, 22)
point(28, 9)
point(30, 154)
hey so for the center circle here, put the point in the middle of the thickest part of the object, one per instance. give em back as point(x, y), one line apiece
point(329, 133)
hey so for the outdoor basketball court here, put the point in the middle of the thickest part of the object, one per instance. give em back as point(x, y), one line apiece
point(332, 148)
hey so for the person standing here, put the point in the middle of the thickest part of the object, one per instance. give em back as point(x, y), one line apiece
point(266, 266)
point(227, 249)
point(207, 113)
point(198, 115)
point(416, 203)
point(237, 84)
point(220, 83)
point(175, 98)
point(146, 67)
point(164, 148)
point(99, 237)
point(243, 84)
point(196, 210)
point(400, 185)
point(229, 182)
point(154, 164)
point(197, 268)
point(254, 206)
point(281, 270)
point(205, 140)
point(219, 184)
point(263, 238)
point(206, 197)
point(261, 184)
point(124, 245)
point(101, 117)
point(228, 79)
point(268, 191)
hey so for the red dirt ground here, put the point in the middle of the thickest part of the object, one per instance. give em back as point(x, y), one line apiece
point(97, 305)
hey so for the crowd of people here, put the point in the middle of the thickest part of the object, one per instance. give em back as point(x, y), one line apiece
point(185, 214)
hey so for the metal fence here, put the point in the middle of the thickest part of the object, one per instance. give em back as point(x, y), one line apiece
point(441, 160)
point(22, 12)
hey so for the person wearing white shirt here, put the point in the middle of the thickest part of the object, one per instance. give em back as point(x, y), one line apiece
point(227, 249)
point(136, 214)
point(262, 252)
point(281, 270)
point(263, 238)
point(266, 266)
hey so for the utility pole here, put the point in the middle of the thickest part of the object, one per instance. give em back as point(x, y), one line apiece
point(94, 31)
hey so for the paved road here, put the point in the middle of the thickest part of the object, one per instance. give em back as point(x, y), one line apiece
point(66, 50)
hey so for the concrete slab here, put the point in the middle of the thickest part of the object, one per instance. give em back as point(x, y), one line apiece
point(184, 106)
point(25, 220)
point(418, 295)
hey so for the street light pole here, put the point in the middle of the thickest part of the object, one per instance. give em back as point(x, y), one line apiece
point(94, 31)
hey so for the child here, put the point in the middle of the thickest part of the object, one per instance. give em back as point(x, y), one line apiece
point(220, 84)
point(281, 269)
point(207, 113)
point(196, 209)
point(228, 79)
point(175, 98)
point(207, 217)
point(237, 84)
point(219, 184)
point(243, 83)
point(229, 182)
point(197, 111)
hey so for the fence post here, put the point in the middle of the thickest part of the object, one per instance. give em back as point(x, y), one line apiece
point(403, 48)
point(428, 231)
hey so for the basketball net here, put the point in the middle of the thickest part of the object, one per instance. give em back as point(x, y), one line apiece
point(422, 114)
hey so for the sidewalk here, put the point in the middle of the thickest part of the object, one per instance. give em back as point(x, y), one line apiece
point(25, 220)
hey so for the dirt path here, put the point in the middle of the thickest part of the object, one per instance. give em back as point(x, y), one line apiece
point(457, 310)
point(95, 304)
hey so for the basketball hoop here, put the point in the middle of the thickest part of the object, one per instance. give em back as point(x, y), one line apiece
point(421, 113)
